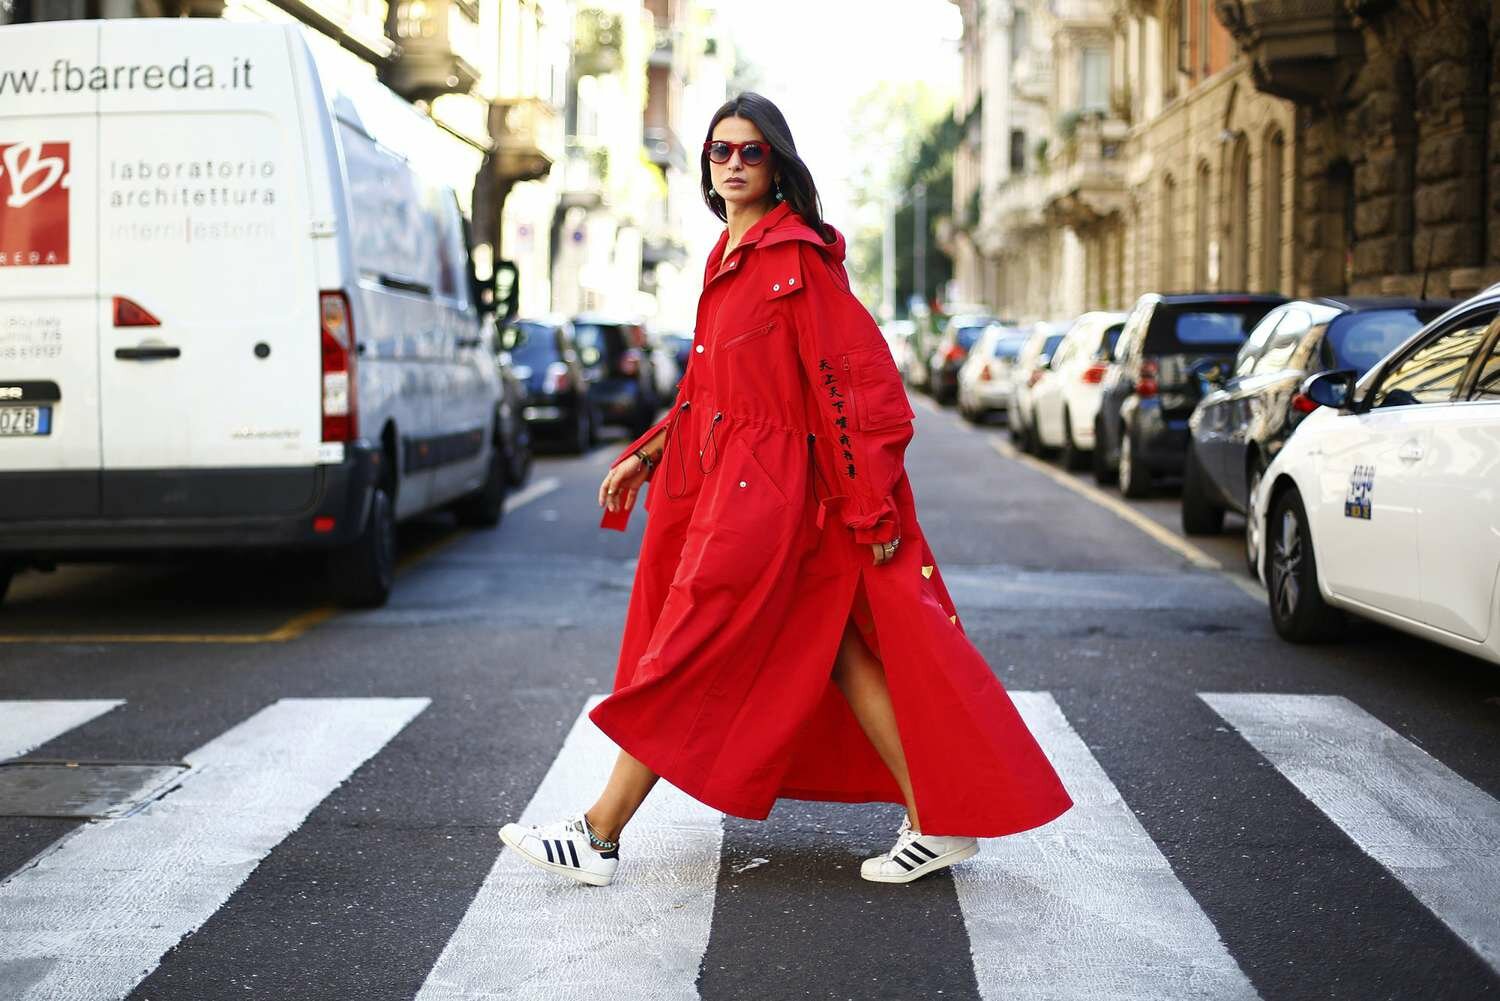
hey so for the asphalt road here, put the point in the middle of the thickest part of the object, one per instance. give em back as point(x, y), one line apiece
point(341, 855)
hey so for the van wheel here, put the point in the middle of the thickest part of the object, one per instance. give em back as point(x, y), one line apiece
point(1104, 473)
point(361, 574)
point(1074, 459)
point(484, 507)
point(1199, 515)
point(1135, 482)
point(1298, 610)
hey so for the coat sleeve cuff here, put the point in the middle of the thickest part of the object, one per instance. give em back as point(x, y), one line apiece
point(629, 450)
point(882, 528)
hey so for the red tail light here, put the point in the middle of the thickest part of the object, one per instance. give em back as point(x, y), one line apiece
point(1303, 404)
point(557, 378)
point(630, 362)
point(1034, 378)
point(1095, 373)
point(985, 375)
point(1145, 383)
point(340, 414)
point(954, 353)
point(132, 314)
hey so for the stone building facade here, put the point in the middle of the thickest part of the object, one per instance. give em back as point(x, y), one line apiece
point(1398, 137)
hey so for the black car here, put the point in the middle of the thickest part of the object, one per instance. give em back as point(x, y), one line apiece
point(557, 406)
point(952, 348)
point(1155, 382)
point(681, 346)
point(616, 357)
point(1254, 406)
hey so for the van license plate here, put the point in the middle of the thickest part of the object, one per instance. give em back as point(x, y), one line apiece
point(25, 420)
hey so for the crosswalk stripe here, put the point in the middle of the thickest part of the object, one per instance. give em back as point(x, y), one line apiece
point(1088, 899)
point(530, 935)
point(31, 723)
point(92, 916)
point(1434, 831)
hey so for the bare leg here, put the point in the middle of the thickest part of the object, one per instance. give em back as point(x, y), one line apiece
point(626, 790)
point(861, 677)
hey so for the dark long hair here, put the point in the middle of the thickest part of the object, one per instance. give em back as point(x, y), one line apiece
point(797, 187)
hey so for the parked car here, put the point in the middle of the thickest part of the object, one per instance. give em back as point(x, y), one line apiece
point(898, 337)
point(1383, 502)
point(952, 347)
point(515, 433)
point(558, 406)
point(1065, 400)
point(1151, 389)
point(664, 366)
point(680, 343)
point(1251, 410)
point(620, 370)
point(300, 367)
point(986, 379)
point(1033, 363)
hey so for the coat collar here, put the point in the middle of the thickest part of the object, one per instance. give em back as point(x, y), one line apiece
point(779, 225)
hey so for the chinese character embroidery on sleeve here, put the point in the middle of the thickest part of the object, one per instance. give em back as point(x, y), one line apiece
point(837, 402)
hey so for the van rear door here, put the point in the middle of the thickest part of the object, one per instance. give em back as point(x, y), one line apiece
point(49, 369)
point(204, 223)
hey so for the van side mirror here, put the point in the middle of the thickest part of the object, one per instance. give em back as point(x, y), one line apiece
point(1330, 389)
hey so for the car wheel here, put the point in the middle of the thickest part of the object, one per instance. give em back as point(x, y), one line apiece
point(1200, 516)
point(1135, 482)
point(1104, 473)
point(1298, 610)
point(583, 429)
point(519, 458)
point(361, 574)
point(485, 506)
point(1073, 458)
point(1254, 524)
point(1033, 441)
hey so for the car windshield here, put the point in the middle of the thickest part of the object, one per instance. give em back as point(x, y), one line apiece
point(596, 340)
point(966, 336)
point(1359, 340)
point(531, 343)
point(1009, 345)
point(1211, 327)
point(1049, 346)
point(1111, 338)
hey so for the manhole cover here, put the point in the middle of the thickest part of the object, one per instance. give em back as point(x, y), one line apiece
point(83, 790)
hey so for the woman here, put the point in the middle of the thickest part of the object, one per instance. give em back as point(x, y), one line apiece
point(788, 633)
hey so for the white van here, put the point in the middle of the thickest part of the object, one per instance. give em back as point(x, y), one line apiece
point(236, 307)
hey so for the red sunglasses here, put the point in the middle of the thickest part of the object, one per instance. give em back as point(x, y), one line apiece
point(751, 153)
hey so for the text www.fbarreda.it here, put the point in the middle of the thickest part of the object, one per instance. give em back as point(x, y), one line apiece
point(68, 77)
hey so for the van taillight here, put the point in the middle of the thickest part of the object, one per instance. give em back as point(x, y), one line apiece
point(1095, 373)
point(985, 375)
point(1145, 383)
point(340, 415)
point(133, 314)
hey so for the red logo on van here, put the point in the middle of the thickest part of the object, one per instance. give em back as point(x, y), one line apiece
point(34, 204)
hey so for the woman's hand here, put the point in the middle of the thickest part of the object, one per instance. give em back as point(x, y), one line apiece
point(884, 550)
point(621, 483)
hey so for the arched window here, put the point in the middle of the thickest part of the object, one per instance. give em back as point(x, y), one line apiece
point(1337, 269)
point(1202, 220)
point(1271, 239)
point(1237, 254)
point(1167, 244)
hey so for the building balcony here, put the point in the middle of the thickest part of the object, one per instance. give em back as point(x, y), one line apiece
point(1086, 175)
point(528, 138)
point(433, 37)
point(1303, 50)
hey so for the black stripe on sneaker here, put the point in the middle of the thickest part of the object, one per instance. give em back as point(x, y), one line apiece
point(904, 864)
point(574, 852)
point(924, 849)
point(548, 845)
point(561, 858)
point(916, 858)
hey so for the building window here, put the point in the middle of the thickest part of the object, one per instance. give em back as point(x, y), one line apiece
point(1018, 151)
point(1275, 168)
point(1019, 34)
point(1168, 242)
point(1171, 57)
point(1201, 229)
point(1237, 263)
point(1093, 77)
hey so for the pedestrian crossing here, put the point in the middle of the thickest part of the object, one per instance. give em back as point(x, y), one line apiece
point(1085, 907)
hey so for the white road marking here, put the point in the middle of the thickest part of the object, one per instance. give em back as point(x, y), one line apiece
point(1087, 906)
point(28, 724)
point(1436, 832)
point(530, 492)
point(92, 917)
point(532, 936)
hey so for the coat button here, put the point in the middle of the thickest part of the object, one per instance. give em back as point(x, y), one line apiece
point(699, 349)
point(791, 281)
point(742, 483)
point(776, 288)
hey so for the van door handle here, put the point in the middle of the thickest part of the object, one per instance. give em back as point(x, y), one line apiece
point(147, 354)
point(1412, 451)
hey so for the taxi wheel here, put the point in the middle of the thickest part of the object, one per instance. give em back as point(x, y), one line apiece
point(362, 573)
point(1298, 610)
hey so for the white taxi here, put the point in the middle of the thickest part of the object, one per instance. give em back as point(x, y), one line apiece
point(1386, 501)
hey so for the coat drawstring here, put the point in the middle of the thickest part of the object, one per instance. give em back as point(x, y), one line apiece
point(708, 440)
point(681, 462)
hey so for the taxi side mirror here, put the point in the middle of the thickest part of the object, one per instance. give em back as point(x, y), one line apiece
point(1330, 389)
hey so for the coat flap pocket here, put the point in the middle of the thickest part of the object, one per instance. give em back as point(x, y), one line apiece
point(880, 399)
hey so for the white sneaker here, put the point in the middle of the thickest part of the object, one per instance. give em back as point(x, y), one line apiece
point(562, 847)
point(915, 855)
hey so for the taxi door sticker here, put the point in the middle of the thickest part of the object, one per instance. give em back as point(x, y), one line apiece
point(1361, 487)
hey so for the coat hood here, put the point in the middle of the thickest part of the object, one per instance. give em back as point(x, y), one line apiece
point(782, 225)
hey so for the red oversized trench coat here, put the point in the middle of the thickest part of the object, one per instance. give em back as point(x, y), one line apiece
point(783, 463)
